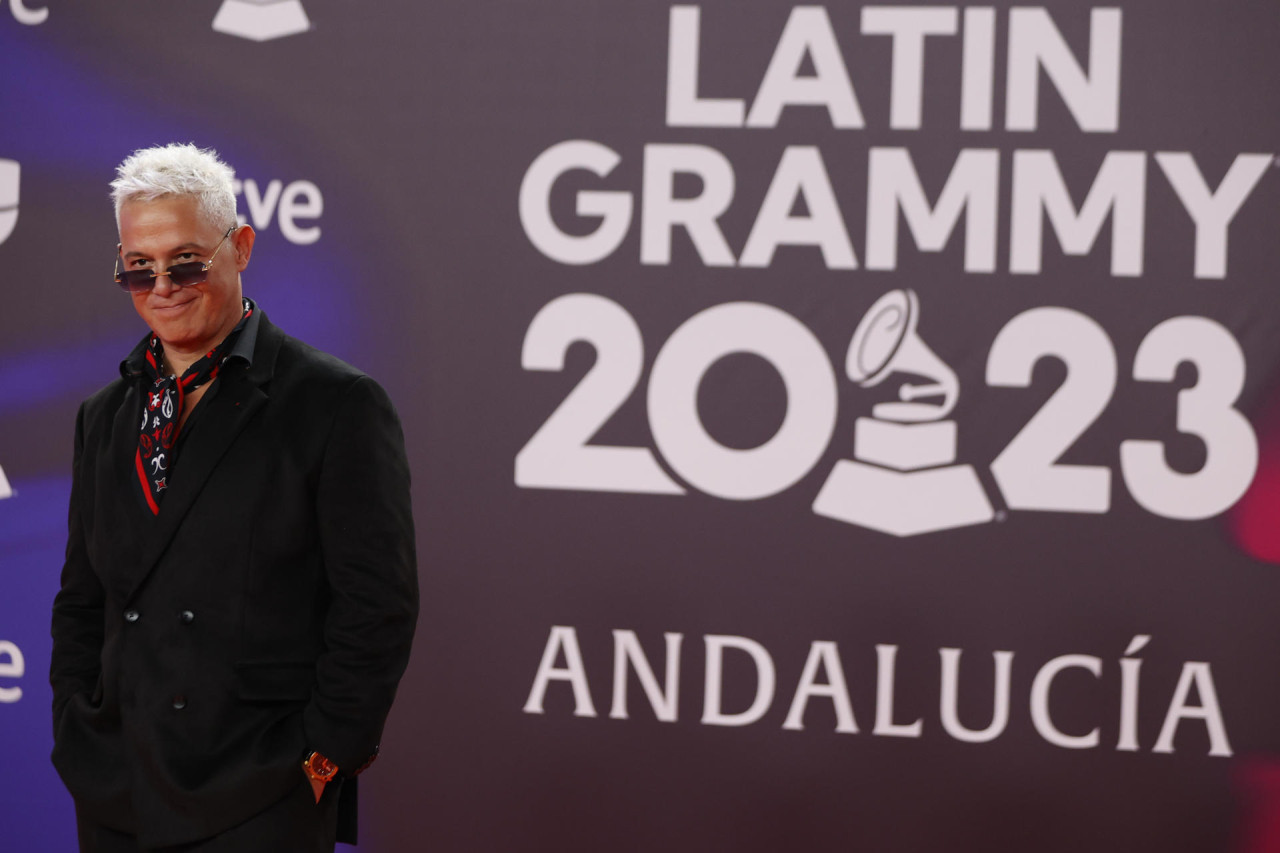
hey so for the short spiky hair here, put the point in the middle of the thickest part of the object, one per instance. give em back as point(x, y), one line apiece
point(178, 169)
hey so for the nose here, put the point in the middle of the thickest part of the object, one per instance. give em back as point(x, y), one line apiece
point(163, 285)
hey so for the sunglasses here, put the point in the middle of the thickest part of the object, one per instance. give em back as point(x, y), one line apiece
point(182, 275)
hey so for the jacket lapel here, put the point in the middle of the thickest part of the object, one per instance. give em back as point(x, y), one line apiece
point(129, 510)
point(235, 405)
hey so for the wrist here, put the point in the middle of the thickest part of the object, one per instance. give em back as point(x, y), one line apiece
point(318, 768)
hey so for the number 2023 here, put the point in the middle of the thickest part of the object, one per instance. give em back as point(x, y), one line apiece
point(558, 456)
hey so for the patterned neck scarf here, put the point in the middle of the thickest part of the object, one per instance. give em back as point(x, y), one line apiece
point(162, 411)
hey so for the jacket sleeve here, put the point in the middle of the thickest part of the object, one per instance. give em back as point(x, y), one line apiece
point(367, 543)
point(78, 607)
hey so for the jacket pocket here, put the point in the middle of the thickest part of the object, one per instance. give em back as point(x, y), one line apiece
point(275, 681)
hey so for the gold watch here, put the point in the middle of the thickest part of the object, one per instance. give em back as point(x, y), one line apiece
point(318, 768)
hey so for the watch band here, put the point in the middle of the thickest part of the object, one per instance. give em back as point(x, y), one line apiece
point(318, 768)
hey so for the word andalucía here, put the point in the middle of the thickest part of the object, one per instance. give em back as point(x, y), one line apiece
point(1039, 190)
point(823, 677)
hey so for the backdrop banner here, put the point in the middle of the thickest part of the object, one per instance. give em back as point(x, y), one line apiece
point(845, 427)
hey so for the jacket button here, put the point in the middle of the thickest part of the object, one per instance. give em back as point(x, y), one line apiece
point(131, 616)
point(187, 617)
point(179, 702)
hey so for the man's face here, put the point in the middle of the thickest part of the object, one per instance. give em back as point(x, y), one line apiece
point(157, 234)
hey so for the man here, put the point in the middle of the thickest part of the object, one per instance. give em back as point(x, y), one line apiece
point(239, 592)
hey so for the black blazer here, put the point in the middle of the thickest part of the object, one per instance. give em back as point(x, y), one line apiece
point(266, 611)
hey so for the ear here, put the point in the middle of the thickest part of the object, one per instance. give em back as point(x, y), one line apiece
point(242, 240)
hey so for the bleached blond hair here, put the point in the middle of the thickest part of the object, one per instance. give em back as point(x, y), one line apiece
point(178, 169)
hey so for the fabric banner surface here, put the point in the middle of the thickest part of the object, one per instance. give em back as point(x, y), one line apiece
point(832, 427)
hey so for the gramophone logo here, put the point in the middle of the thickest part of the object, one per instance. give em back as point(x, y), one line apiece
point(261, 20)
point(6, 491)
point(904, 480)
point(10, 172)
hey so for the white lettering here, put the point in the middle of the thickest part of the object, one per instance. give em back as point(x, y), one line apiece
point(1040, 701)
point(1119, 189)
point(298, 200)
point(1208, 710)
point(885, 662)
point(301, 200)
point(614, 208)
point(261, 206)
point(765, 681)
point(949, 702)
point(801, 172)
point(1212, 211)
point(893, 185)
point(14, 667)
point(908, 26)
point(25, 15)
point(1035, 43)
point(573, 671)
point(808, 31)
point(1129, 669)
point(684, 107)
point(662, 211)
point(824, 677)
point(978, 70)
point(666, 703)
point(826, 656)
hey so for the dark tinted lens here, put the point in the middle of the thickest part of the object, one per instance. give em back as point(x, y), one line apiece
point(183, 275)
point(136, 281)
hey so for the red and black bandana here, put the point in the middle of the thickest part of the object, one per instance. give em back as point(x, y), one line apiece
point(162, 411)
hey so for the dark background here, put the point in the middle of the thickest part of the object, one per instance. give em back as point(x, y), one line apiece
point(418, 122)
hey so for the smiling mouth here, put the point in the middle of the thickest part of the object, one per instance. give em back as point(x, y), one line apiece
point(173, 307)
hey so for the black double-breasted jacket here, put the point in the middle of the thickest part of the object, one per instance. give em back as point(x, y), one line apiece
point(267, 610)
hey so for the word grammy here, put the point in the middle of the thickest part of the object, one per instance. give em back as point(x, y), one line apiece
point(292, 202)
point(12, 665)
point(894, 191)
point(823, 678)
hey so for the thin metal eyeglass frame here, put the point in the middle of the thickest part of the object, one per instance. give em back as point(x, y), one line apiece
point(204, 267)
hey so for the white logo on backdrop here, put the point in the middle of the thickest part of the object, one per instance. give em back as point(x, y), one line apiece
point(290, 205)
point(10, 173)
point(6, 491)
point(24, 15)
point(903, 480)
point(12, 665)
point(261, 20)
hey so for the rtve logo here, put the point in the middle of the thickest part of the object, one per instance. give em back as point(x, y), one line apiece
point(12, 665)
point(288, 204)
point(260, 20)
point(23, 15)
